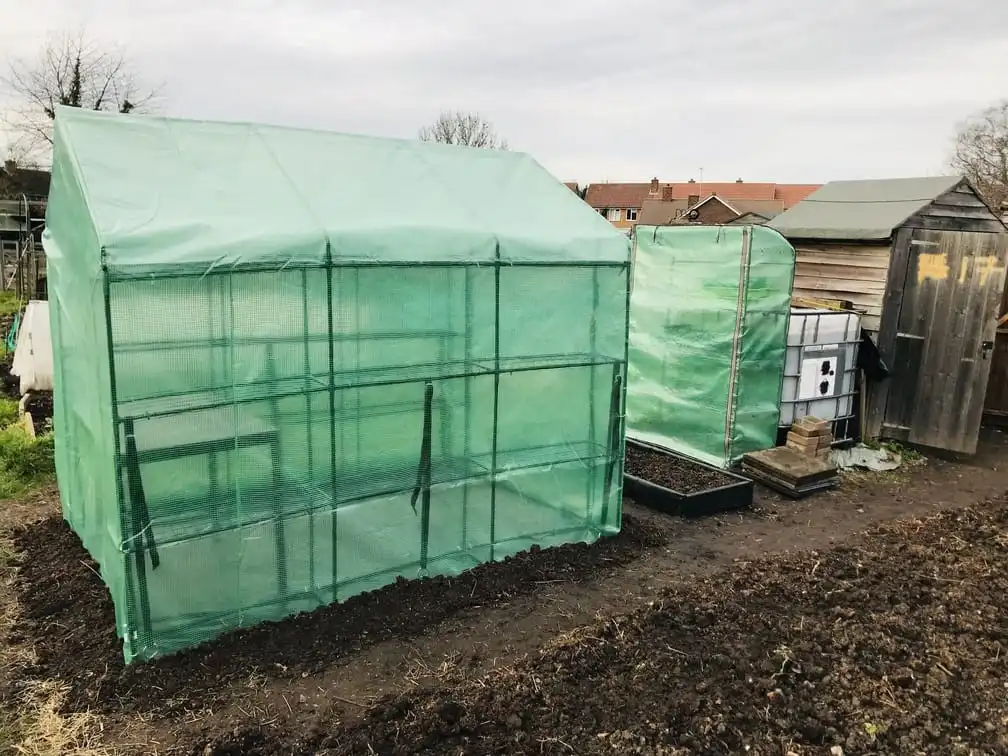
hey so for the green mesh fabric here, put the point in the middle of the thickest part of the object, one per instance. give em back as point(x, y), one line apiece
point(241, 435)
point(708, 336)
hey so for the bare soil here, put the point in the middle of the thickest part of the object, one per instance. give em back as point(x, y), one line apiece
point(672, 471)
point(897, 645)
point(673, 635)
point(40, 405)
point(68, 613)
point(10, 385)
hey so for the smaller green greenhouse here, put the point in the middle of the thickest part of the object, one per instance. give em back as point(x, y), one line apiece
point(708, 336)
point(292, 366)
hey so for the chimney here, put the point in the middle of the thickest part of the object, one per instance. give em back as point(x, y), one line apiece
point(654, 186)
point(692, 181)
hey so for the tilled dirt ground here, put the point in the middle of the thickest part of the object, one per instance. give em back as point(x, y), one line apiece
point(589, 649)
point(68, 615)
point(40, 405)
point(672, 472)
point(897, 645)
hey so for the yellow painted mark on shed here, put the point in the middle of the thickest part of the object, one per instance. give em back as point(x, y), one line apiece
point(990, 267)
point(962, 270)
point(932, 266)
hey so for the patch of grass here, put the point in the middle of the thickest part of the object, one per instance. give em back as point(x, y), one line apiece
point(39, 729)
point(9, 304)
point(8, 412)
point(25, 462)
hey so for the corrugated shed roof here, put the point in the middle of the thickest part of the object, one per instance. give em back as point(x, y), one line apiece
point(869, 210)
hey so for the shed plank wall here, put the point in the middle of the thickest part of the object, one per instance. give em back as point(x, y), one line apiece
point(957, 210)
point(855, 273)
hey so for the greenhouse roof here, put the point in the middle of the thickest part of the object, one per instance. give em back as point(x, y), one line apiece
point(160, 191)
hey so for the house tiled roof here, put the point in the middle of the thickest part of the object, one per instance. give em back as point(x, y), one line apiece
point(766, 208)
point(792, 194)
point(661, 212)
point(602, 196)
point(619, 195)
point(727, 191)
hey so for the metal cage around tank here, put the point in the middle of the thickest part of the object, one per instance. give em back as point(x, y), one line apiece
point(821, 376)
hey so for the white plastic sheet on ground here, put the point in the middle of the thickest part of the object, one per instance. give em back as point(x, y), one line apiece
point(878, 460)
point(33, 358)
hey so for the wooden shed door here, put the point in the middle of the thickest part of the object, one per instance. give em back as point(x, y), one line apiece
point(947, 322)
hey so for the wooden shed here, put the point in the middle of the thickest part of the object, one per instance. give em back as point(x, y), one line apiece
point(924, 260)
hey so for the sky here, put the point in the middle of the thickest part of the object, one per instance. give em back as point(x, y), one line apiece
point(596, 90)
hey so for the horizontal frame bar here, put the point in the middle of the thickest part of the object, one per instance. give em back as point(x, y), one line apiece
point(133, 273)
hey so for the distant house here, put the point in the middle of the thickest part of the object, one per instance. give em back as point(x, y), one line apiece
point(16, 181)
point(626, 205)
point(23, 195)
point(621, 204)
point(924, 260)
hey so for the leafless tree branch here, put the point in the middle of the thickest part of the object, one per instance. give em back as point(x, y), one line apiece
point(466, 129)
point(71, 70)
point(981, 153)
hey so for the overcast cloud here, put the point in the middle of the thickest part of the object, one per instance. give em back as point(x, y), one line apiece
point(618, 90)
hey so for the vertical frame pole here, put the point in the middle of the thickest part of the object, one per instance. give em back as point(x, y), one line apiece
point(332, 426)
point(308, 427)
point(592, 440)
point(467, 417)
point(496, 403)
point(276, 452)
point(620, 441)
point(425, 476)
point(140, 631)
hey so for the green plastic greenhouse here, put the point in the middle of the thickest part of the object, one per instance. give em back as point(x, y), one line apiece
point(708, 336)
point(293, 366)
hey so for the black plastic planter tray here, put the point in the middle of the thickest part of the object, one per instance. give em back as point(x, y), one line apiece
point(735, 495)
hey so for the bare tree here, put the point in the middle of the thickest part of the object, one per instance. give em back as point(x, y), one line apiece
point(70, 70)
point(467, 129)
point(981, 153)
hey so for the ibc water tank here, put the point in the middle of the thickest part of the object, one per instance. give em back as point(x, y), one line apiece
point(821, 365)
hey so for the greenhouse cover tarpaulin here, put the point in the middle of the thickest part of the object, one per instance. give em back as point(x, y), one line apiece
point(292, 366)
point(166, 192)
point(708, 335)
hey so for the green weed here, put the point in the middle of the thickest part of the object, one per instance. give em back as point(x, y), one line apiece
point(25, 462)
point(9, 304)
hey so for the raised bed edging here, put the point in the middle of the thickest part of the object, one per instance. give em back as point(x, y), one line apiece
point(738, 495)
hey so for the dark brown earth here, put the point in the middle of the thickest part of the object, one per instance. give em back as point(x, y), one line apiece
point(10, 385)
point(898, 645)
point(67, 610)
point(672, 471)
point(40, 405)
point(299, 685)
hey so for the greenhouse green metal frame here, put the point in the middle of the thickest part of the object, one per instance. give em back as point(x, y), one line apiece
point(260, 469)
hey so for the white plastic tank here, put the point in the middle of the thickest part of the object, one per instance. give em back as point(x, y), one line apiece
point(820, 368)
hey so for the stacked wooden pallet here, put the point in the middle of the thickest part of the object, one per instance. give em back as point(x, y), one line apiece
point(801, 467)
